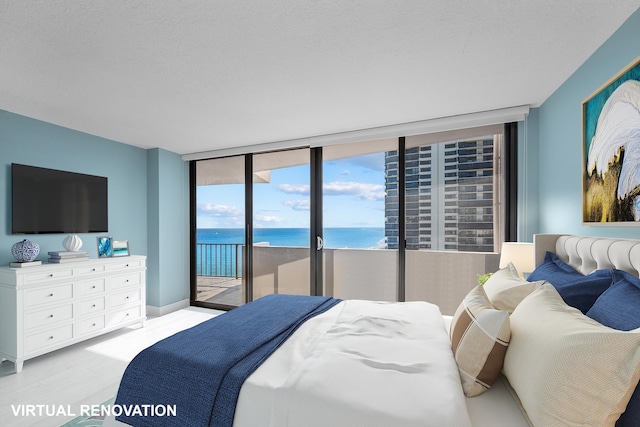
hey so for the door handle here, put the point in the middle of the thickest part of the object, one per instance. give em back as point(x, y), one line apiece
point(320, 243)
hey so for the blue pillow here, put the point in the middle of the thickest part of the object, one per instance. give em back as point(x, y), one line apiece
point(576, 289)
point(554, 271)
point(619, 306)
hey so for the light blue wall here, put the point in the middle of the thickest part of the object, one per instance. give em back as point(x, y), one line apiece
point(168, 228)
point(148, 192)
point(558, 126)
point(36, 143)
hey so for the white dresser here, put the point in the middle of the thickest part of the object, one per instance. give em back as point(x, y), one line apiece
point(50, 306)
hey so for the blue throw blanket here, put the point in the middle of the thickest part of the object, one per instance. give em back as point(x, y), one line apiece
point(201, 370)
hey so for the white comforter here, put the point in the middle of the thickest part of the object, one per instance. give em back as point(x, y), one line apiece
point(362, 363)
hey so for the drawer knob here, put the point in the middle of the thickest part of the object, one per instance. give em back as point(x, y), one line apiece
point(50, 295)
point(127, 265)
point(93, 287)
point(51, 337)
point(51, 316)
point(127, 314)
point(93, 325)
point(127, 297)
point(51, 275)
point(93, 305)
point(126, 281)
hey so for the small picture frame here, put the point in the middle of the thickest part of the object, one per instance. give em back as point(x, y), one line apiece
point(120, 248)
point(105, 246)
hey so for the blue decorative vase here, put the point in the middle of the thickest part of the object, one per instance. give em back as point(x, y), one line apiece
point(25, 251)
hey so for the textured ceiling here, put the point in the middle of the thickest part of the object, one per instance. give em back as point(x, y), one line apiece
point(192, 76)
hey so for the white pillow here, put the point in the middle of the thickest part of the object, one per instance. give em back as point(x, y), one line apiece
point(505, 288)
point(567, 369)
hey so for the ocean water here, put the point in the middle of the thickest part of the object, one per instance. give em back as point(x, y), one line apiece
point(334, 238)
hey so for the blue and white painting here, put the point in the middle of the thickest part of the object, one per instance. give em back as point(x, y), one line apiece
point(105, 247)
point(120, 247)
point(612, 150)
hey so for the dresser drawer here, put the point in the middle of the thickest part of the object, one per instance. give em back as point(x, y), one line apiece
point(92, 305)
point(128, 297)
point(125, 264)
point(121, 281)
point(48, 276)
point(53, 336)
point(47, 307)
point(90, 269)
point(91, 325)
point(125, 315)
point(48, 295)
point(91, 287)
point(48, 316)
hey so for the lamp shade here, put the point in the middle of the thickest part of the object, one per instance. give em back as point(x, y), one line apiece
point(520, 254)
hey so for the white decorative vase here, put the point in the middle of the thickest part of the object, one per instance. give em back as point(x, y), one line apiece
point(72, 243)
point(25, 251)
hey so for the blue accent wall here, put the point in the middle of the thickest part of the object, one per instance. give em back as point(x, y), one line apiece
point(167, 228)
point(36, 143)
point(148, 197)
point(556, 129)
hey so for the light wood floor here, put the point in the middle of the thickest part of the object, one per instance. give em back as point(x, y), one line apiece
point(86, 373)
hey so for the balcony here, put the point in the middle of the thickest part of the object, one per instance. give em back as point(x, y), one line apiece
point(440, 277)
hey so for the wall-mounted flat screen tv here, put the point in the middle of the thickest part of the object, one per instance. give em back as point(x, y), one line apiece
point(53, 201)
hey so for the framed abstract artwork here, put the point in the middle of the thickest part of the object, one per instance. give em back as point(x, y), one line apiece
point(120, 248)
point(611, 150)
point(105, 246)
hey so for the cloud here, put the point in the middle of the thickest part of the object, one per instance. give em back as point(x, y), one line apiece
point(363, 191)
point(214, 216)
point(219, 211)
point(268, 218)
point(345, 172)
point(295, 188)
point(298, 205)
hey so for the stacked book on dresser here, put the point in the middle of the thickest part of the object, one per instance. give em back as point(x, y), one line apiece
point(58, 257)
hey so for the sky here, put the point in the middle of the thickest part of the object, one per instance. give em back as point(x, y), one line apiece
point(353, 196)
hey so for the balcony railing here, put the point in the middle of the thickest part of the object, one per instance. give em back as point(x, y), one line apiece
point(439, 277)
point(219, 259)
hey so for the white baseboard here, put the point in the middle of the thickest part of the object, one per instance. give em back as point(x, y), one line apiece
point(153, 311)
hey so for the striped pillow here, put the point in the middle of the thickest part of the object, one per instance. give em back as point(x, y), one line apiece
point(479, 338)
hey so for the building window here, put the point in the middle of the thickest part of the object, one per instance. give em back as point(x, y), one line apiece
point(454, 204)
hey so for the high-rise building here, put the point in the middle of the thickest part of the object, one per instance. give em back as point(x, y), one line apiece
point(449, 198)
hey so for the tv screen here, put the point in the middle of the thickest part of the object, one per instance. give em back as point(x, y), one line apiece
point(53, 201)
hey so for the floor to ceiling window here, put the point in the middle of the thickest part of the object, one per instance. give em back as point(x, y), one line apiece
point(357, 263)
point(410, 218)
point(454, 210)
point(220, 231)
point(281, 236)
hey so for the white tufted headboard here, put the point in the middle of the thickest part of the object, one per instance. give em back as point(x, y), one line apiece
point(587, 254)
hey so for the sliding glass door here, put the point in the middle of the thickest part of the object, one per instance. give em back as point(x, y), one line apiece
point(454, 212)
point(220, 232)
point(398, 219)
point(281, 206)
point(358, 193)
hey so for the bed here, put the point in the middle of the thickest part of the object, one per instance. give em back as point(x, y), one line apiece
point(516, 353)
